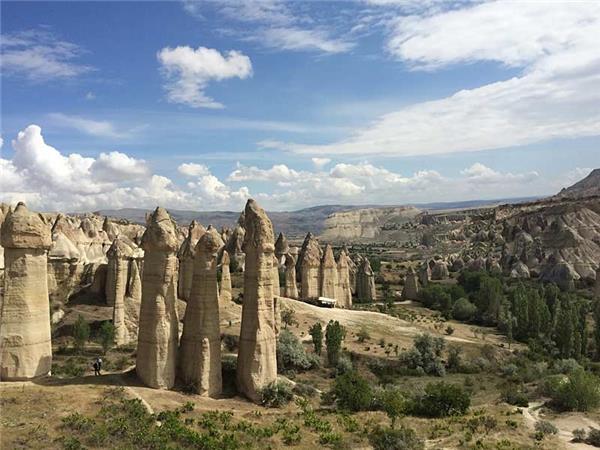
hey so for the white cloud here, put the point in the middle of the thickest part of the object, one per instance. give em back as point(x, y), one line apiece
point(40, 56)
point(294, 38)
point(276, 25)
point(279, 173)
point(90, 96)
point(189, 71)
point(556, 95)
point(319, 163)
point(41, 175)
point(480, 174)
point(101, 128)
point(116, 166)
point(193, 169)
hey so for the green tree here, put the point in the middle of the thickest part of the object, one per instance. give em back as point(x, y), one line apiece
point(107, 336)
point(288, 317)
point(81, 333)
point(597, 328)
point(334, 336)
point(488, 300)
point(564, 333)
point(352, 392)
point(393, 404)
point(316, 332)
point(520, 311)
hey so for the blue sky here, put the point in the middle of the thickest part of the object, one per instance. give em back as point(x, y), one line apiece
point(199, 105)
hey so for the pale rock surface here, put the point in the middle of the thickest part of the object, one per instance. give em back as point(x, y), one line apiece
point(424, 274)
point(519, 270)
point(291, 289)
point(276, 283)
point(344, 290)
point(365, 283)
point(257, 360)
point(200, 347)
point(440, 271)
point(310, 244)
point(281, 247)
point(25, 342)
point(225, 291)
point(234, 245)
point(186, 259)
point(133, 300)
point(310, 265)
point(117, 276)
point(328, 276)
point(159, 325)
point(411, 286)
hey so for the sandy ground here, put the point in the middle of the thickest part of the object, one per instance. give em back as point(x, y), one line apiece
point(566, 423)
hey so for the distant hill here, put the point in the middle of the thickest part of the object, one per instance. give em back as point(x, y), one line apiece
point(588, 187)
point(294, 224)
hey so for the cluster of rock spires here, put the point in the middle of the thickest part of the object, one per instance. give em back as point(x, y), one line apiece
point(143, 272)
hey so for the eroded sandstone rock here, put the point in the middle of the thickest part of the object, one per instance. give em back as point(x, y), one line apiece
point(159, 325)
point(411, 286)
point(310, 265)
point(186, 259)
point(225, 292)
point(328, 276)
point(25, 345)
point(291, 289)
point(344, 291)
point(257, 360)
point(365, 283)
point(200, 348)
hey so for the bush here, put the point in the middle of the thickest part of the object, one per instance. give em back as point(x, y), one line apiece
point(288, 317)
point(393, 403)
point(334, 336)
point(425, 356)
point(579, 435)
point(441, 400)
point(403, 438)
point(107, 336)
point(291, 354)
point(344, 365)
point(544, 428)
point(305, 390)
point(363, 335)
point(316, 332)
point(515, 398)
point(463, 310)
point(276, 394)
point(565, 366)
point(81, 333)
point(593, 437)
point(231, 342)
point(454, 358)
point(352, 392)
point(578, 391)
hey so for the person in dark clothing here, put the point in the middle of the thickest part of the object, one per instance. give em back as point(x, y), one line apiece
point(97, 366)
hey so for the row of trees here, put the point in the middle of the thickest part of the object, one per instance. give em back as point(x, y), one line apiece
point(549, 319)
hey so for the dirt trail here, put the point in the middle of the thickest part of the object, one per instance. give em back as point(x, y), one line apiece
point(565, 423)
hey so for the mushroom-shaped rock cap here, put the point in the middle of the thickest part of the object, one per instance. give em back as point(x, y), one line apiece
point(281, 245)
point(120, 249)
point(195, 231)
point(25, 229)
point(161, 233)
point(259, 229)
point(210, 243)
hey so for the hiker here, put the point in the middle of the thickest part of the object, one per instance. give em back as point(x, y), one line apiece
point(97, 365)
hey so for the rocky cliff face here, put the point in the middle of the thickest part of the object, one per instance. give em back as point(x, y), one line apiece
point(367, 224)
point(588, 187)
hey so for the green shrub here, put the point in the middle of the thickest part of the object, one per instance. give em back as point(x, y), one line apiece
point(515, 398)
point(291, 354)
point(593, 437)
point(544, 428)
point(463, 310)
point(316, 332)
point(334, 336)
point(426, 355)
point(305, 390)
point(393, 403)
point(81, 333)
point(288, 317)
point(363, 335)
point(352, 392)
point(441, 400)
point(402, 438)
point(344, 365)
point(330, 438)
point(579, 435)
point(276, 394)
point(107, 336)
point(578, 391)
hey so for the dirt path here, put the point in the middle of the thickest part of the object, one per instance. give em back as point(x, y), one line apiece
point(565, 423)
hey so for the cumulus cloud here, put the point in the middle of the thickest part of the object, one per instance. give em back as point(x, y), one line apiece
point(555, 95)
point(279, 173)
point(50, 180)
point(480, 174)
point(193, 169)
point(39, 55)
point(319, 163)
point(189, 71)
